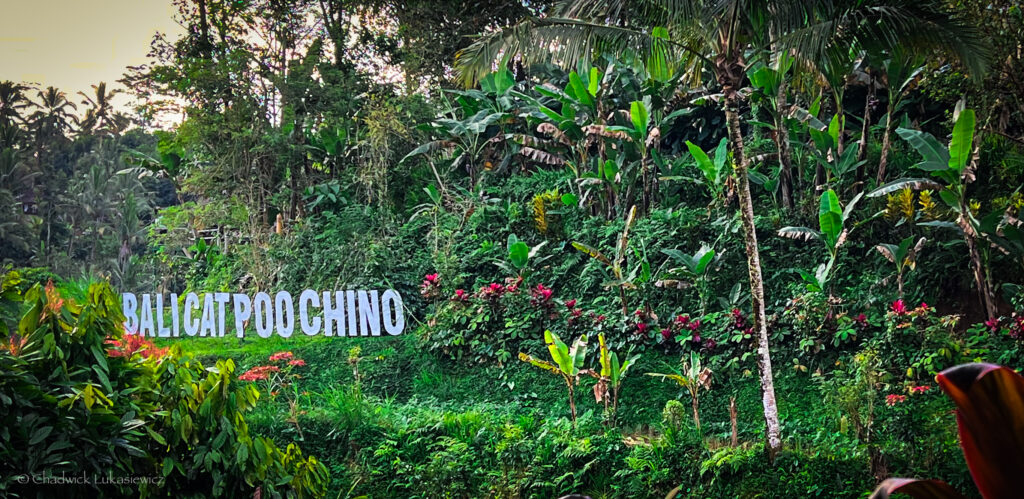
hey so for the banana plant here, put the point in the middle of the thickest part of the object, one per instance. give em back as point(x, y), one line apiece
point(825, 151)
point(950, 165)
point(694, 271)
point(620, 279)
point(643, 139)
point(833, 219)
point(716, 170)
point(693, 378)
point(610, 377)
point(520, 255)
point(568, 363)
point(903, 255)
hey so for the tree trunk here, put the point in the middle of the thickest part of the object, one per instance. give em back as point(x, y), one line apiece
point(696, 413)
point(764, 363)
point(985, 295)
point(732, 420)
point(886, 144)
point(572, 402)
point(782, 143)
point(865, 129)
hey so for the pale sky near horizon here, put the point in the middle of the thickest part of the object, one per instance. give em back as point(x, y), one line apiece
point(73, 44)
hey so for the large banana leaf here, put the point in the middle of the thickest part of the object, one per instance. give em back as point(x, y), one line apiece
point(830, 217)
point(936, 156)
point(963, 141)
point(578, 354)
point(559, 352)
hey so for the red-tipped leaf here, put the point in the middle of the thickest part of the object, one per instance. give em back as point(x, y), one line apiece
point(990, 417)
point(920, 489)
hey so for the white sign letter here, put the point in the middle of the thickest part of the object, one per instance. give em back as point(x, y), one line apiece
point(391, 301)
point(264, 312)
point(130, 307)
point(191, 325)
point(243, 311)
point(369, 314)
point(284, 306)
point(308, 296)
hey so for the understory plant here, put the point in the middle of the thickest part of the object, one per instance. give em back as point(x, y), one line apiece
point(568, 363)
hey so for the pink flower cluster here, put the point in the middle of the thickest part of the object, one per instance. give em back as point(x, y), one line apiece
point(541, 296)
point(919, 389)
point(281, 356)
point(431, 286)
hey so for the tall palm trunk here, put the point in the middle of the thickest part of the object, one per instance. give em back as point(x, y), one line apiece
point(764, 363)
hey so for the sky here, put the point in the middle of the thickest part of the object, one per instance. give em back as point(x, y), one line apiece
point(73, 44)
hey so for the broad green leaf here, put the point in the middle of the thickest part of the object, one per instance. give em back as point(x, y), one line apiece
point(593, 82)
point(703, 162)
point(830, 217)
point(638, 114)
point(580, 90)
point(936, 156)
point(519, 255)
point(703, 258)
point(963, 141)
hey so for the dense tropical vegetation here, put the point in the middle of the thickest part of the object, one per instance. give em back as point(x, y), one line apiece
point(755, 232)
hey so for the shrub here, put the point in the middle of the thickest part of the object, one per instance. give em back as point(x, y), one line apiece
point(77, 396)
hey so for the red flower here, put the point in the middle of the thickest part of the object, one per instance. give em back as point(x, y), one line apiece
point(683, 320)
point(694, 326)
point(893, 399)
point(641, 328)
point(571, 303)
point(993, 324)
point(258, 373)
point(460, 295)
point(431, 286)
point(297, 362)
point(710, 344)
point(919, 389)
point(576, 312)
point(541, 295)
point(666, 334)
point(861, 320)
point(898, 307)
point(599, 318)
point(130, 344)
point(281, 356)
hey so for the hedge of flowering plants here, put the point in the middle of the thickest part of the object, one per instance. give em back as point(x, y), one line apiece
point(78, 395)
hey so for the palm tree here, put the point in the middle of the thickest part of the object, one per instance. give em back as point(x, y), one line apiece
point(12, 102)
point(99, 116)
point(718, 35)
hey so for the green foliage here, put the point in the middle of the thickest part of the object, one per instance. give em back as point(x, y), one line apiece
point(70, 405)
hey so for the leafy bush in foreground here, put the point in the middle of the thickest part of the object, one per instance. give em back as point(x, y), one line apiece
point(77, 396)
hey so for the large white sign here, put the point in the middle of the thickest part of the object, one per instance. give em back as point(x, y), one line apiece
point(341, 313)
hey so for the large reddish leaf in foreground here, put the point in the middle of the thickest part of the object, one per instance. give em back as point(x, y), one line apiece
point(990, 417)
point(921, 489)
